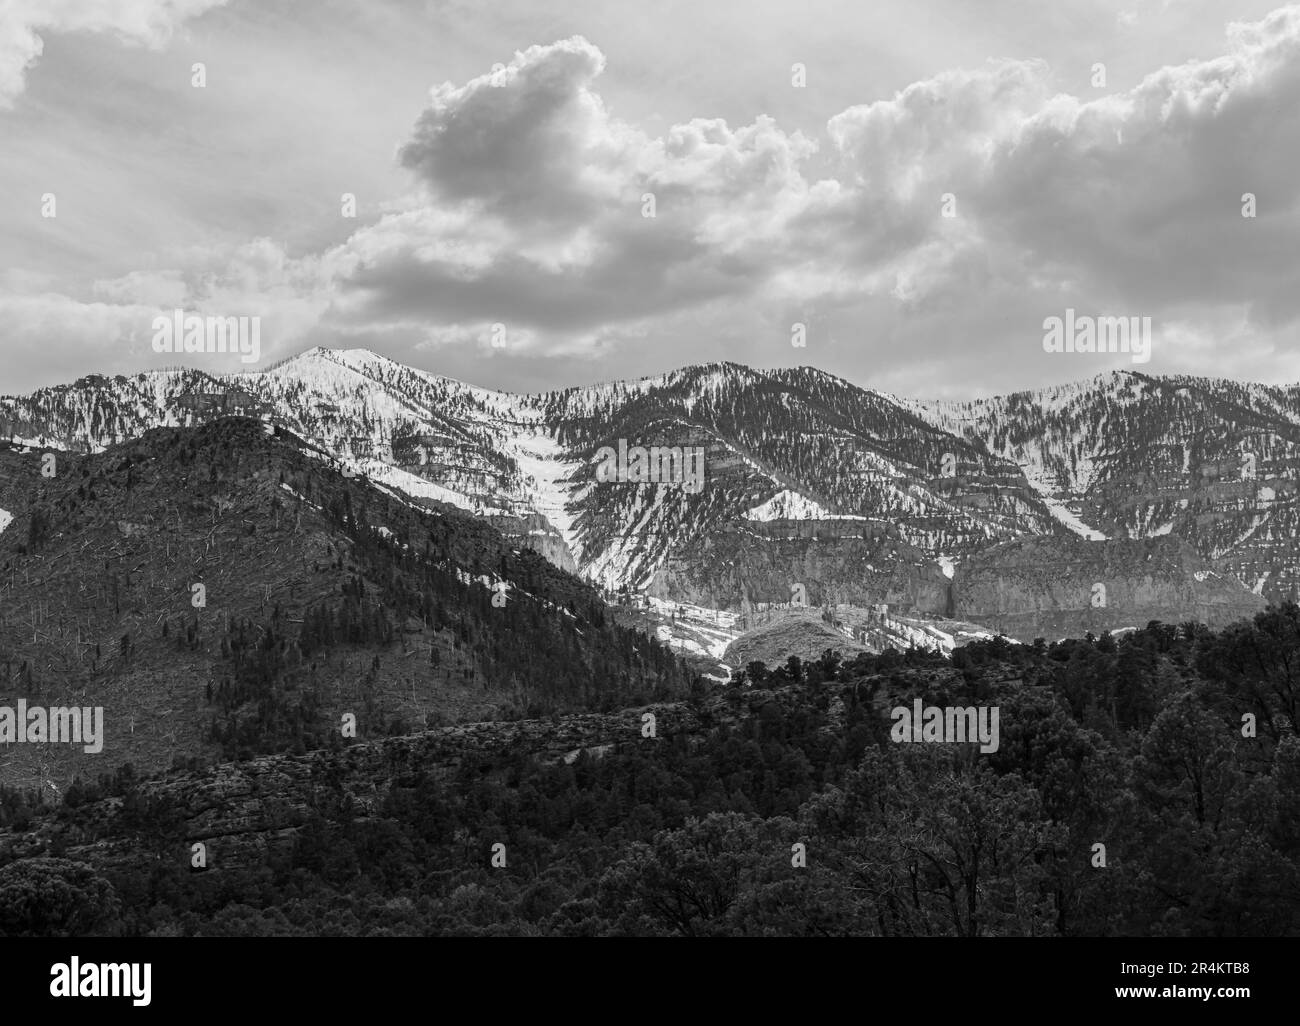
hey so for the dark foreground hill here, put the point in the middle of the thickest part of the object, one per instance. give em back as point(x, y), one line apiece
point(1145, 786)
point(224, 591)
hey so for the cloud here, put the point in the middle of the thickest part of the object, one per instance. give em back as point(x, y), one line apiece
point(65, 334)
point(529, 200)
point(23, 23)
point(536, 199)
point(530, 141)
point(1139, 195)
point(533, 194)
point(67, 337)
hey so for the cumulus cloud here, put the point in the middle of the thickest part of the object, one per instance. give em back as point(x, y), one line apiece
point(537, 200)
point(530, 141)
point(24, 23)
point(1140, 194)
point(533, 196)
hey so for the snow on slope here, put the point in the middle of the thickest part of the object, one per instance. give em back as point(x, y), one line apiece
point(6, 518)
point(1059, 465)
point(540, 457)
point(695, 629)
point(608, 569)
point(788, 505)
point(1062, 513)
point(395, 479)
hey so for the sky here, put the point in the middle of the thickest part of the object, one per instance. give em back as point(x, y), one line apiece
point(910, 189)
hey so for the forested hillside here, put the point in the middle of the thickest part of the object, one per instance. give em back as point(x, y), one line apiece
point(223, 592)
point(1173, 747)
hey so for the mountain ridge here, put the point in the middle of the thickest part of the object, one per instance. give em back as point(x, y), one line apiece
point(1120, 455)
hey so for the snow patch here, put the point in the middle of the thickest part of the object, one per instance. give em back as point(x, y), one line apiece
point(696, 629)
point(539, 457)
point(416, 487)
point(788, 505)
point(1062, 513)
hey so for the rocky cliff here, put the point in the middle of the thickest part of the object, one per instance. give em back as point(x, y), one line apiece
point(1063, 587)
point(754, 565)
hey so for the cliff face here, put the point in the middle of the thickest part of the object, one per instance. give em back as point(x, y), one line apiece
point(754, 565)
point(1251, 525)
point(537, 533)
point(1051, 588)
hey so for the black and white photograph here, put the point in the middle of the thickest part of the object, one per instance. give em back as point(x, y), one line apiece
point(821, 474)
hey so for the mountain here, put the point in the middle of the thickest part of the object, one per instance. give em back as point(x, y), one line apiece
point(1125, 455)
point(222, 590)
point(812, 486)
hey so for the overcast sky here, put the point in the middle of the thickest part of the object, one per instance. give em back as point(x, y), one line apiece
point(515, 195)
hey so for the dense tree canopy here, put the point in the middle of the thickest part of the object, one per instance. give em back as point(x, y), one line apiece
point(1129, 795)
